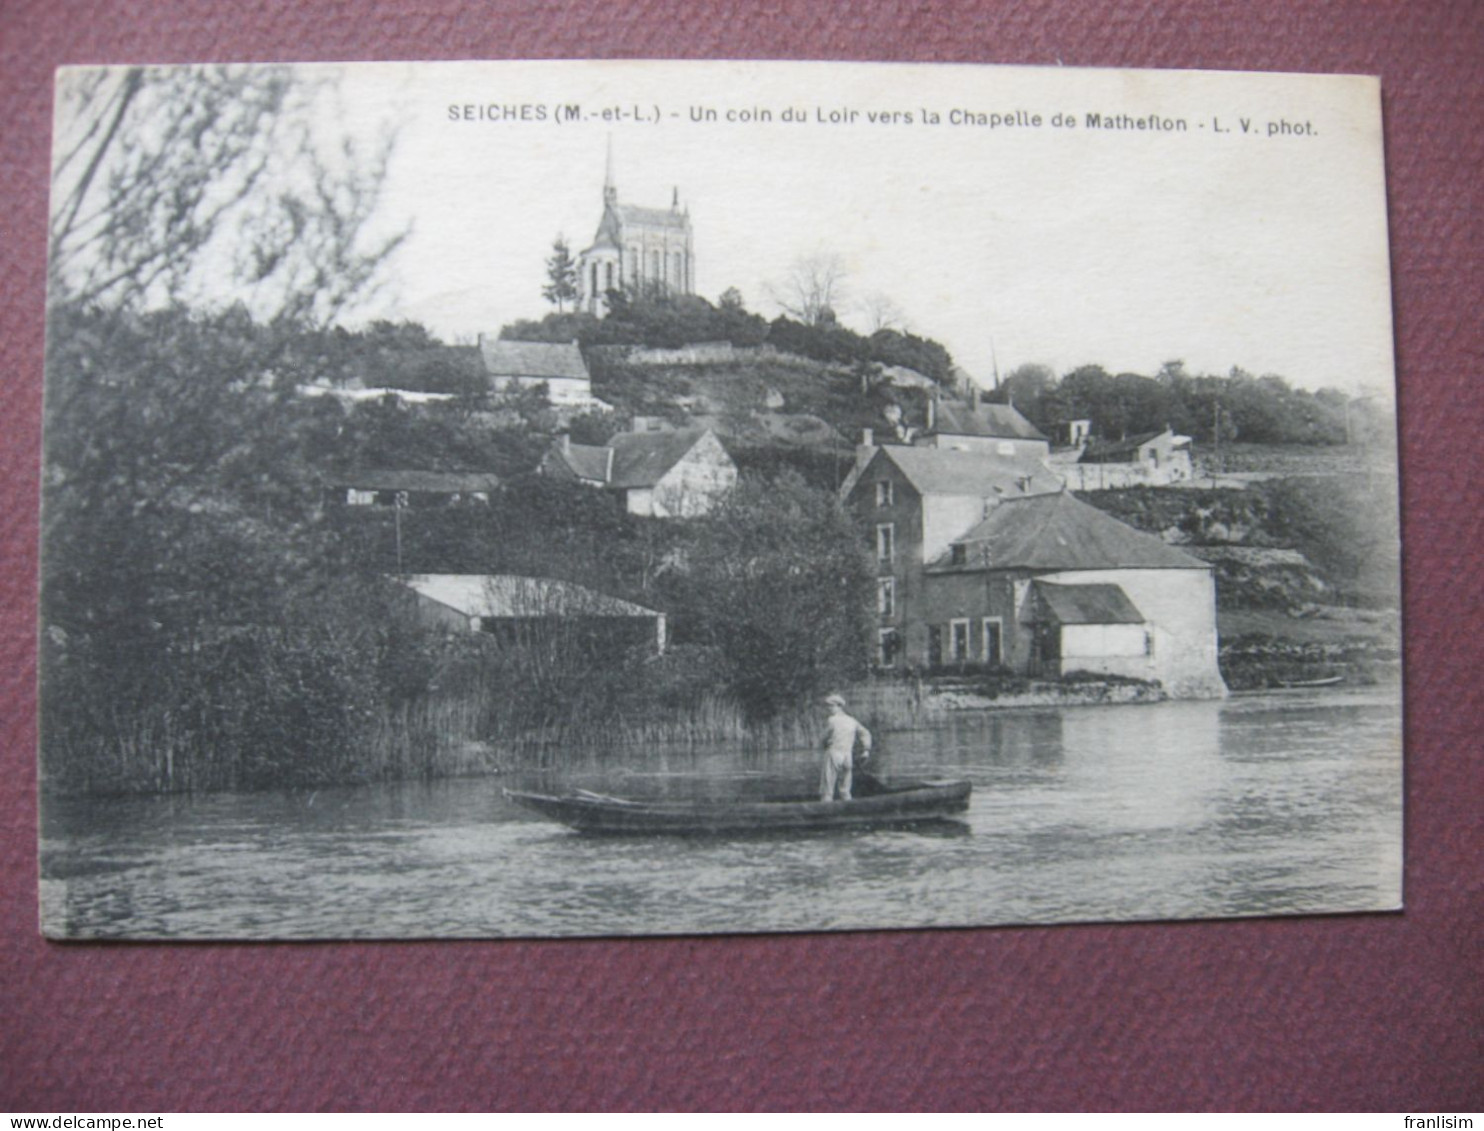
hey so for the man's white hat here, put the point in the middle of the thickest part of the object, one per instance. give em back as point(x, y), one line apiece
point(834, 700)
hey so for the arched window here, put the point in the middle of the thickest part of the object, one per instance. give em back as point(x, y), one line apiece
point(610, 276)
point(654, 265)
point(679, 276)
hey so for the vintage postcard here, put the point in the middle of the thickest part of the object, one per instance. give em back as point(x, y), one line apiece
point(541, 499)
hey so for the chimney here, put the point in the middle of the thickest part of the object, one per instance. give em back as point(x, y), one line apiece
point(566, 443)
point(974, 396)
point(932, 409)
point(866, 448)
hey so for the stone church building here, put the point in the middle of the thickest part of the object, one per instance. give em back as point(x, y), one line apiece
point(636, 249)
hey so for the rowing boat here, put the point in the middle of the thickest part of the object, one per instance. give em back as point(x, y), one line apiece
point(876, 803)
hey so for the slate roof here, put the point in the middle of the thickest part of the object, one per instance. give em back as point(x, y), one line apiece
point(640, 459)
point(1117, 451)
point(1060, 532)
point(586, 461)
point(940, 471)
point(428, 482)
point(1088, 604)
point(540, 361)
point(993, 420)
point(508, 596)
point(653, 217)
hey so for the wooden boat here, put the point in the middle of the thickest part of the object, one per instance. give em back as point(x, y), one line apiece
point(875, 803)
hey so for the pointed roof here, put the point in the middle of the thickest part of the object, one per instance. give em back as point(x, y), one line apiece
point(537, 361)
point(586, 461)
point(942, 471)
point(1004, 421)
point(1088, 604)
point(1060, 532)
point(640, 459)
point(1120, 451)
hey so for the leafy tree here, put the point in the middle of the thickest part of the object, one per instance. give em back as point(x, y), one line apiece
point(778, 580)
point(561, 275)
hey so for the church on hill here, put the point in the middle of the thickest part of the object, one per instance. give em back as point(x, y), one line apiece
point(636, 249)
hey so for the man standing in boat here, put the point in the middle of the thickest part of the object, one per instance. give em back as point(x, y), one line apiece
point(841, 733)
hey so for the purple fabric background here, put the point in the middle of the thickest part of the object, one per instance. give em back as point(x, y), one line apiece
point(1380, 1011)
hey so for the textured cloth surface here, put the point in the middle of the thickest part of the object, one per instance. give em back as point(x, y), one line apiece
point(1370, 1012)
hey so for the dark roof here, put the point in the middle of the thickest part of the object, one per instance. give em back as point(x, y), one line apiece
point(653, 217)
point(539, 361)
point(1117, 451)
point(1088, 604)
point(585, 461)
point(616, 215)
point(1060, 532)
point(941, 471)
point(428, 482)
point(640, 459)
point(994, 420)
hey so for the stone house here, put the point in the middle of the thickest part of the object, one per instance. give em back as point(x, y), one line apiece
point(1047, 585)
point(915, 501)
point(514, 366)
point(981, 427)
point(678, 474)
point(1151, 459)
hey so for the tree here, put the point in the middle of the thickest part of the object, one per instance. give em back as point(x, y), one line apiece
point(813, 289)
point(205, 232)
point(882, 313)
point(561, 275)
point(208, 185)
point(778, 580)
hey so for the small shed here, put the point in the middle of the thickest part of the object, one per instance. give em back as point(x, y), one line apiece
point(389, 487)
point(528, 610)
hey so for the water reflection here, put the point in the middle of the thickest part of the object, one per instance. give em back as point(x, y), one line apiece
point(1271, 804)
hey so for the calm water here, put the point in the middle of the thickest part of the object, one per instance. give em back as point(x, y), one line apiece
point(1271, 804)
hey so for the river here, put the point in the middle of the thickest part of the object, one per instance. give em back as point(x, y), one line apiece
point(1279, 803)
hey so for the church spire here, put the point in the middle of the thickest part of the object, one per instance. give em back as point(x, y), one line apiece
point(610, 190)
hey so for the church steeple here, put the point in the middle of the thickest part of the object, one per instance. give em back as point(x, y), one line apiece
point(610, 190)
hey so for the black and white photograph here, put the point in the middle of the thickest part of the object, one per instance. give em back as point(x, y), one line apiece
point(634, 498)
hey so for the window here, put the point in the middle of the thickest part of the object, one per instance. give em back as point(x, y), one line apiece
point(888, 647)
point(885, 543)
point(885, 493)
point(960, 554)
point(886, 596)
point(958, 640)
point(1005, 448)
point(993, 645)
point(608, 274)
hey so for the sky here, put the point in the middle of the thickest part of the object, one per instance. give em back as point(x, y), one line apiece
point(1008, 241)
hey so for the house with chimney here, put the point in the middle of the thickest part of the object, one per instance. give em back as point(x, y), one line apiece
point(1047, 585)
point(679, 474)
point(914, 501)
point(985, 559)
point(1149, 459)
point(976, 426)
